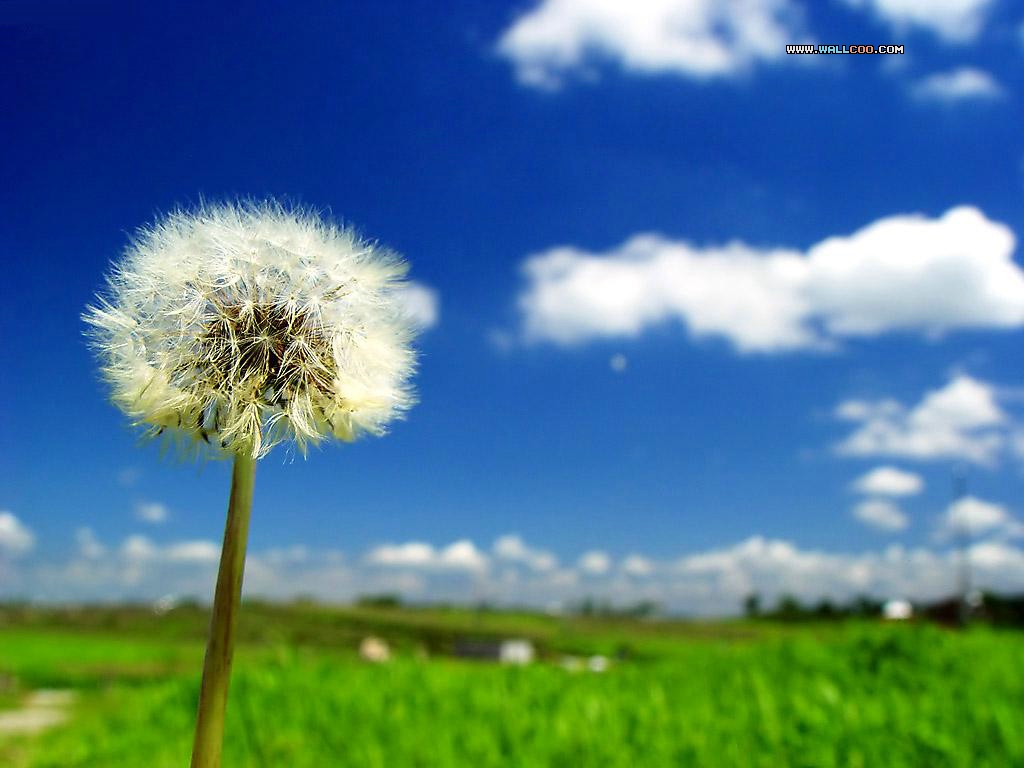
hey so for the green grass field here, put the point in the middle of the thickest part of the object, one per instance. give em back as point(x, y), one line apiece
point(702, 694)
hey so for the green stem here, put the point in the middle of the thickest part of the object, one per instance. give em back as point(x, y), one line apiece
point(213, 697)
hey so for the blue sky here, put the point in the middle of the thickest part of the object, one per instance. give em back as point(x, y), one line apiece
point(689, 293)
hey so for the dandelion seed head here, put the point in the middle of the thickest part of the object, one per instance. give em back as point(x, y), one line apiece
point(236, 327)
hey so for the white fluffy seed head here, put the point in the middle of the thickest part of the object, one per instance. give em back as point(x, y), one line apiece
point(240, 326)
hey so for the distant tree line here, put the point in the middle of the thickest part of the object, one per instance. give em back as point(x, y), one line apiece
point(590, 606)
point(387, 600)
point(985, 607)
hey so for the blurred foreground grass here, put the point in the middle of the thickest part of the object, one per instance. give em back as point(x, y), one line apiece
point(703, 694)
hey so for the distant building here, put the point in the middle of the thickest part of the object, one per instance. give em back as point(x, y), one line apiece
point(512, 651)
point(897, 610)
point(374, 649)
point(516, 652)
point(596, 663)
point(165, 604)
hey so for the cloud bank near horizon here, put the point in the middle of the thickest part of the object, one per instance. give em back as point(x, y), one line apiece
point(513, 572)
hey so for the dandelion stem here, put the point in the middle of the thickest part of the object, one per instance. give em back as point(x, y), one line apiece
point(213, 697)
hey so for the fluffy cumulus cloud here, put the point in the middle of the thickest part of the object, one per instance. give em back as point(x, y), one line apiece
point(962, 420)
point(151, 512)
point(958, 85)
point(596, 562)
point(460, 555)
point(972, 517)
point(750, 298)
point(193, 552)
point(889, 481)
point(512, 548)
point(15, 538)
point(904, 273)
point(637, 565)
point(140, 548)
point(955, 21)
point(883, 514)
point(689, 38)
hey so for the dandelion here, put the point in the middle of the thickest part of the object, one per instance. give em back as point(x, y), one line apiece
point(233, 328)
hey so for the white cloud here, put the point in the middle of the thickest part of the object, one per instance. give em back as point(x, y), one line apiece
point(89, 546)
point(881, 514)
point(902, 273)
point(138, 547)
point(958, 85)
point(421, 303)
point(912, 273)
point(960, 421)
point(973, 517)
point(459, 555)
point(596, 562)
point(889, 481)
point(637, 565)
point(15, 538)
point(964, 403)
point(618, 362)
point(749, 297)
point(413, 554)
point(151, 512)
point(697, 39)
point(512, 548)
point(995, 556)
point(193, 552)
point(955, 21)
point(861, 410)
point(462, 555)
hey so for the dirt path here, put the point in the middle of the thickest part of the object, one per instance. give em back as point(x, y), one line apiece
point(41, 710)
